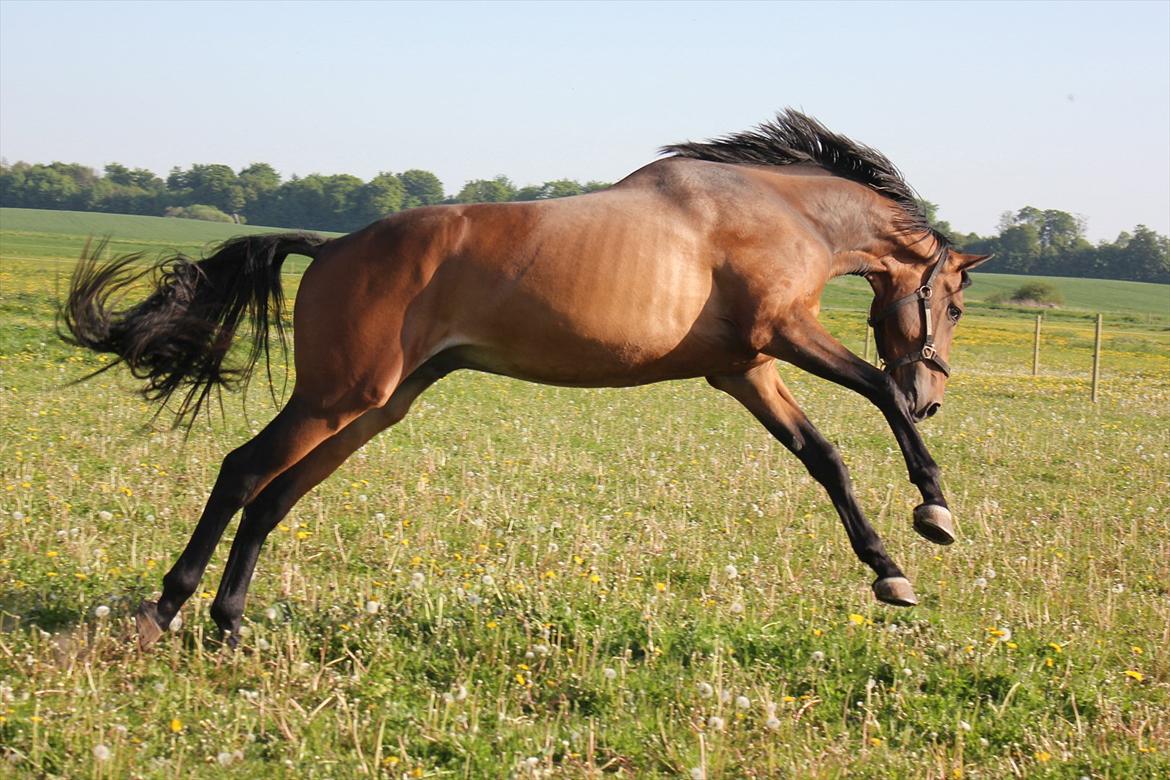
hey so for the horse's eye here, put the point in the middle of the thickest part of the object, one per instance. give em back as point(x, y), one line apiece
point(954, 312)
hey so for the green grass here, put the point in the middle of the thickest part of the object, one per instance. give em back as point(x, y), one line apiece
point(575, 601)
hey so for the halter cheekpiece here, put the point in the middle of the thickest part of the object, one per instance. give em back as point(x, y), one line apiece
point(927, 351)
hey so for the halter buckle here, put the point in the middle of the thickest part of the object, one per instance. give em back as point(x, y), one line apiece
point(928, 352)
point(925, 291)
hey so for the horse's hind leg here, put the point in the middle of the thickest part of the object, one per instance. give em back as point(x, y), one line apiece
point(270, 507)
point(246, 471)
point(762, 392)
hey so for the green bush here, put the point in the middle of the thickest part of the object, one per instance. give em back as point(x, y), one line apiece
point(199, 211)
point(1038, 292)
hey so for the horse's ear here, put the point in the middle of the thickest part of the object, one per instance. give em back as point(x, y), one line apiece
point(968, 262)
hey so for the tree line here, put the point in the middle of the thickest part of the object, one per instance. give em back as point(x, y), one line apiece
point(1027, 241)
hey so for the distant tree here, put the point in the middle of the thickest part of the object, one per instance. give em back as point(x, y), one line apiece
point(198, 211)
point(420, 188)
point(495, 190)
point(382, 195)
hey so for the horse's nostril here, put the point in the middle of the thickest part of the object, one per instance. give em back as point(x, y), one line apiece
point(931, 409)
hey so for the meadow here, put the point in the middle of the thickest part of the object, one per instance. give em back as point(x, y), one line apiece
point(527, 581)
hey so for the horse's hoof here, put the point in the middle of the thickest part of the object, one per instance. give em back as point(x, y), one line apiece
point(147, 621)
point(895, 590)
point(934, 523)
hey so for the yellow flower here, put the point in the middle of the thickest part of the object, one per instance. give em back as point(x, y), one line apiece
point(875, 741)
point(660, 587)
point(520, 678)
point(176, 725)
point(492, 624)
point(1055, 647)
point(856, 619)
point(1043, 756)
point(1134, 674)
point(303, 535)
point(1137, 650)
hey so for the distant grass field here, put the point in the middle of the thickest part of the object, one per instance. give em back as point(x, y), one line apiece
point(522, 581)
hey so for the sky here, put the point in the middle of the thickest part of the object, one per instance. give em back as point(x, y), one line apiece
point(986, 107)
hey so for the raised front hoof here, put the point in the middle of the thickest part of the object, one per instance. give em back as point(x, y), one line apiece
point(934, 523)
point(149, 628)
point(896, 591)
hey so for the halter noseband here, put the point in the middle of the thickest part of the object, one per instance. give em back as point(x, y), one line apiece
point(926, 352)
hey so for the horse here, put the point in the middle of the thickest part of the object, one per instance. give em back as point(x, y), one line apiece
point(708, 262)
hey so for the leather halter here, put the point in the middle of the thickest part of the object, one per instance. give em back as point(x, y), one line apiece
point(927, 351)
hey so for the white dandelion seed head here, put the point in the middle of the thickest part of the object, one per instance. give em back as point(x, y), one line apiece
point(270, 613)
point(715, 723)
point(541, 650)
point(379, 517)
point(818, 656)
point(417, 579)
point(892, 628)
point(150, 518)
point(980, 582)
point(697, 773)
point(460, 693)
point(372, 607)
point(772, 723)
point(989, 573)
point(743, 702)
point(473, 599)
point(224, 758)
point(1118, 587)
point(362, 498)
point(964, 725)
point(18, 515)
point(1005, 635)
point(105, 516)
point(532, 762)
point(737, 607)
point(705, 690)
point(731, 571)
point(488, 580)
point(101, 752)
point(101, 611)
point(610, 673)
point(121, 730)
point(553, 547)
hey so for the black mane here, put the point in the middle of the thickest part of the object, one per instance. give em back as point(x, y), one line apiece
point(793, 138)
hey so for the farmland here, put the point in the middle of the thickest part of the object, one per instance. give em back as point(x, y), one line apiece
point(526, 581)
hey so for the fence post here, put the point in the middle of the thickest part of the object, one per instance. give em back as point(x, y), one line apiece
point(1097, 360)
point(1036, 347)
point(867, 340)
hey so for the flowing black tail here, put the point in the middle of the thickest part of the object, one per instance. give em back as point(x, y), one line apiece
point(178, 338)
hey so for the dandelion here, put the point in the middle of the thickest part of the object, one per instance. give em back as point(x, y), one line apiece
point(743, 702)
point(660, 587)
point(488, 580)
point(101, 752)
point(417, 579)
point(737, 607)
point(1135, 675)
point(18, 516)
point(818, 656)
point(224, 758)
point(772, 723)
point(1043, 756)
point(362, 498)
point(964, 725)
point(270, 613)
point(101, 611)
point(372, 607)
point(715, 723)
point(1119, 587)
point(875, 741)
point(989, 573)
point(379, 517)
point(856, 619)
point(105, 516)
point(731, 571)
point(473, 599)
point(610, 673)
point(540, 650)
point(705, 690)
point(697, 773)
point(980, 582)
point(176, 725)
point(460, 692)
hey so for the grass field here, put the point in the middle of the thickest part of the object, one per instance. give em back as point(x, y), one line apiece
point(525, 581)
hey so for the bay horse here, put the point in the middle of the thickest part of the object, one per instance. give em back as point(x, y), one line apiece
point(709, 262)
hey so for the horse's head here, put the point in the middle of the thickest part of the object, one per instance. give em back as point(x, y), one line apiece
point(915, 309)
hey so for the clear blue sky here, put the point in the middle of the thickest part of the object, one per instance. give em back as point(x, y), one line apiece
point(985, 106)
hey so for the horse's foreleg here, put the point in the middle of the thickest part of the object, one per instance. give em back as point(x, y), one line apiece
point(806, 344)
point(271, 505)
point(245, 472)
point(764, 395)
